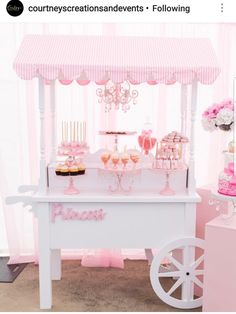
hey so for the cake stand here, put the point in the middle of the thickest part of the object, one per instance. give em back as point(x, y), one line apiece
point(116, 134)
point(219, 200)
point(73, 152)
point(119, 175)
point(167, 190)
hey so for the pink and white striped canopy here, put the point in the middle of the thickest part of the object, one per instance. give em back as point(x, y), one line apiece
point(137, 59)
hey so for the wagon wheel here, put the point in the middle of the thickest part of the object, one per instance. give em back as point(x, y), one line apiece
point(180, 265)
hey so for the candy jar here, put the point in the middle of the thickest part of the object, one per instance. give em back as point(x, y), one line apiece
point(146, 140)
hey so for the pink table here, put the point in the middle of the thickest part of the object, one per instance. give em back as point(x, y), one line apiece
point(219, 292)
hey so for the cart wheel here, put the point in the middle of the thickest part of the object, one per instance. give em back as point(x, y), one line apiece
point(178, 260)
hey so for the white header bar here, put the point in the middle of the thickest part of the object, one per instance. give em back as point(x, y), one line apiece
point(189, 11)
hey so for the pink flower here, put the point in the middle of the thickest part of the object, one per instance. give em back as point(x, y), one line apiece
point(213, 111)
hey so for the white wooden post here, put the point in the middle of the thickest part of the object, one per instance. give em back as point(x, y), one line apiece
point(183, 108)
point(53, 122)
point(45, 283)
point(56, 264)
point(43, 170)
point(191, 179)
point(184, 99)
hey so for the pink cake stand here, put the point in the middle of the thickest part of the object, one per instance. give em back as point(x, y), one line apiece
point(167, 189)
point(119, 174)
point(71, 189)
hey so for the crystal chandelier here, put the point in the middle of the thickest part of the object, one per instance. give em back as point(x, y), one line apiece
point(117, 96)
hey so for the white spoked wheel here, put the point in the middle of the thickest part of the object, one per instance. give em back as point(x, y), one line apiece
point(177, 273)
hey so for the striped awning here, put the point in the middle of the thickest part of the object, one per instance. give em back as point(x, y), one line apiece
point(98, 59)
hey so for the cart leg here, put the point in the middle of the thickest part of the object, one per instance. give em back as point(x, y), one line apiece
point(149, 255)
point(56, 264)
point(189, 252)
point(45, 283)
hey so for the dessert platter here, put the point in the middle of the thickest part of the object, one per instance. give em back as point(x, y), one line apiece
point(118, 197)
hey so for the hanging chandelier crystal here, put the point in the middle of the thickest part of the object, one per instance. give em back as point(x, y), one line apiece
point(117, 96)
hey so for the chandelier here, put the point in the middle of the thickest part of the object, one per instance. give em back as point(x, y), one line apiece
point(117, 96)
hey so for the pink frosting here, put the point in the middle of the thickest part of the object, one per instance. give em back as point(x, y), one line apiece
point(226, 188)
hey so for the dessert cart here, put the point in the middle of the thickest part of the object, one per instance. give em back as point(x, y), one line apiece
point(95, 218)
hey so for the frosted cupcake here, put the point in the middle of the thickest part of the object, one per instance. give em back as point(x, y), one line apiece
point(64, 170)
point(81, 169)
point(74, 170)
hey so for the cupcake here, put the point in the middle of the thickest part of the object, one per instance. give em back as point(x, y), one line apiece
point(64, 171)
point(74, 170)
point(81, 169)
point(58, 170)
point(69, 161)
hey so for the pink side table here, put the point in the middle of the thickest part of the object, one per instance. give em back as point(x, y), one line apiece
point(220, 265)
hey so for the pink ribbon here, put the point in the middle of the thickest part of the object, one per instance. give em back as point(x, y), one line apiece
point(146, 133)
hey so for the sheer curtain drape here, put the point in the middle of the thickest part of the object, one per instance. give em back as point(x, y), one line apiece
point(19, 117)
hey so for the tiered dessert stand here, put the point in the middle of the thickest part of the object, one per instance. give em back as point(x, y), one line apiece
point(96, 218)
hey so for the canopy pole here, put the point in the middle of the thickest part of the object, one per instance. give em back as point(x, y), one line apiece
point(43, 170)
point(192, 182)
point(183, 114)
point(53, 121)
point(183, 108)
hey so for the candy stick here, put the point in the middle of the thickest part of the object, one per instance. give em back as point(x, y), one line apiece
point(84, 132)
point(65, 125)
point(77, 131)
point(74, 131)
point(80, 135)
point(70, 131)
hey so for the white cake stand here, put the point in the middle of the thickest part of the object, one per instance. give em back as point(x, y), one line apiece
point(116, 135)
point(218, 199)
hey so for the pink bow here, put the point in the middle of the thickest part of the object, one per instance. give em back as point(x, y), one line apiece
point(146, 133)
point(230, 171)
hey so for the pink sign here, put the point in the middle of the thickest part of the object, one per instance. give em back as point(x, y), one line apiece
point(58, 210)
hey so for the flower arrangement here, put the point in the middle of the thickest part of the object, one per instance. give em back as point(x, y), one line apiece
point(219, 116)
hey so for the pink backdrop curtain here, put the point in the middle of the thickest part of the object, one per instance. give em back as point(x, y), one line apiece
point(19, 121)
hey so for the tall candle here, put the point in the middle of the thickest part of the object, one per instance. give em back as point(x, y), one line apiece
point(77, 131)
point(70, 131)
point(65, 125)
point(74, 132)
point(81, 132)
point(62, 131)
point(84, 131)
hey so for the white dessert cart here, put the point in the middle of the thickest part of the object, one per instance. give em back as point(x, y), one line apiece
point(95, 218)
